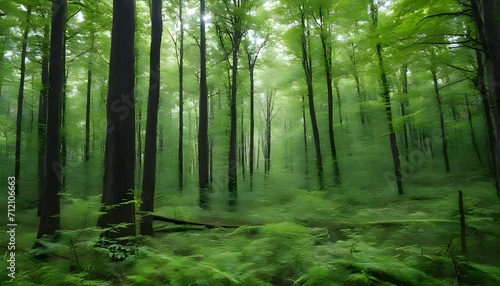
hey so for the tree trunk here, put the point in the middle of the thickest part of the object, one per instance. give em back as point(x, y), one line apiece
point(149, 175)
point(42, 116)
point(441, 121)
point(242, 140)
point(64, 150)
point(307, 66)
point(404, 104)
point(387, 101)
point(20, 97)
point(50, 208)
point(267, 145)
point(339, 101)
point(203, 148)
point(139, 146)
point(252, 122)
point(472, 134)
point(87, 110)
point(180, 155)
point(232, 164)
point(388, 110)
point(119, 159)
point(481, 86)
point(304, 125)
point(327, 60)
point(87, 116)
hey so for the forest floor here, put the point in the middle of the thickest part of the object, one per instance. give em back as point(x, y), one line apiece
point(348, 235)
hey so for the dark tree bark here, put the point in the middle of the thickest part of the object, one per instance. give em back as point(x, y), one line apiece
point(242, 140)
point(139, 145)
point(64, 150)
point(269, 114)
point(232, 166)
point(180, 155)
point(352, 55)
point(20, 97)
point(325, 35)
point(252, 56)
point(42, 116)
point(149, 176)
point(306, 154)
point(472, 133)
point(119, 158)
point(481, 86)
point(387, 101)
point(339, 101)
point(441, 121)
point(404, 105)
point(485, 13)
point(203, 150)
point(307, 66)
point(87, 108)
point(50, 208)
point(251, 66)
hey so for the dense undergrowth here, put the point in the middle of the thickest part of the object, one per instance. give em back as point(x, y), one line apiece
point(344, 236)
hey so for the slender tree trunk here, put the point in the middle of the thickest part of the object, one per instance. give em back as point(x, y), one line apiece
point(149, 175)
point(472, 134)
point(203, 148)
point(268, 115)
point(387, 101)
point(180, 158)
point(307, 66)
point(20, 98)
point(306, 154)
point(211, 147)
point(392, 134)
point(252, 122)
point(64, 150)
point(487, 114)
point(42, 116)
point(87, 116)
point(339, 101)
point(404, 104)
point(50, 209)
point(119, 158)
point(327, 59)
point(87, 109)
point(441, 121)
point(242, 140)
point(232, 164)
point(139, 146)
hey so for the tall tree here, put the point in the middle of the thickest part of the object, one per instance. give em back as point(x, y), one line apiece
point(42, 115)
point(307, 65)
point(203, 148)
point(233, 26)
point(50, 207)
point(387, 101)
point(485, 13)
point(119, 158)
point(325, 32)
point(252, 49)
point(20, 96)
point(89, 93)
point(149, 175)
point(441, 117)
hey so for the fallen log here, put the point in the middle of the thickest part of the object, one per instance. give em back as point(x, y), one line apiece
point(183, 222)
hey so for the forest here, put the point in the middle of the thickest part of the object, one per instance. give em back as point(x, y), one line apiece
point(250, 142)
